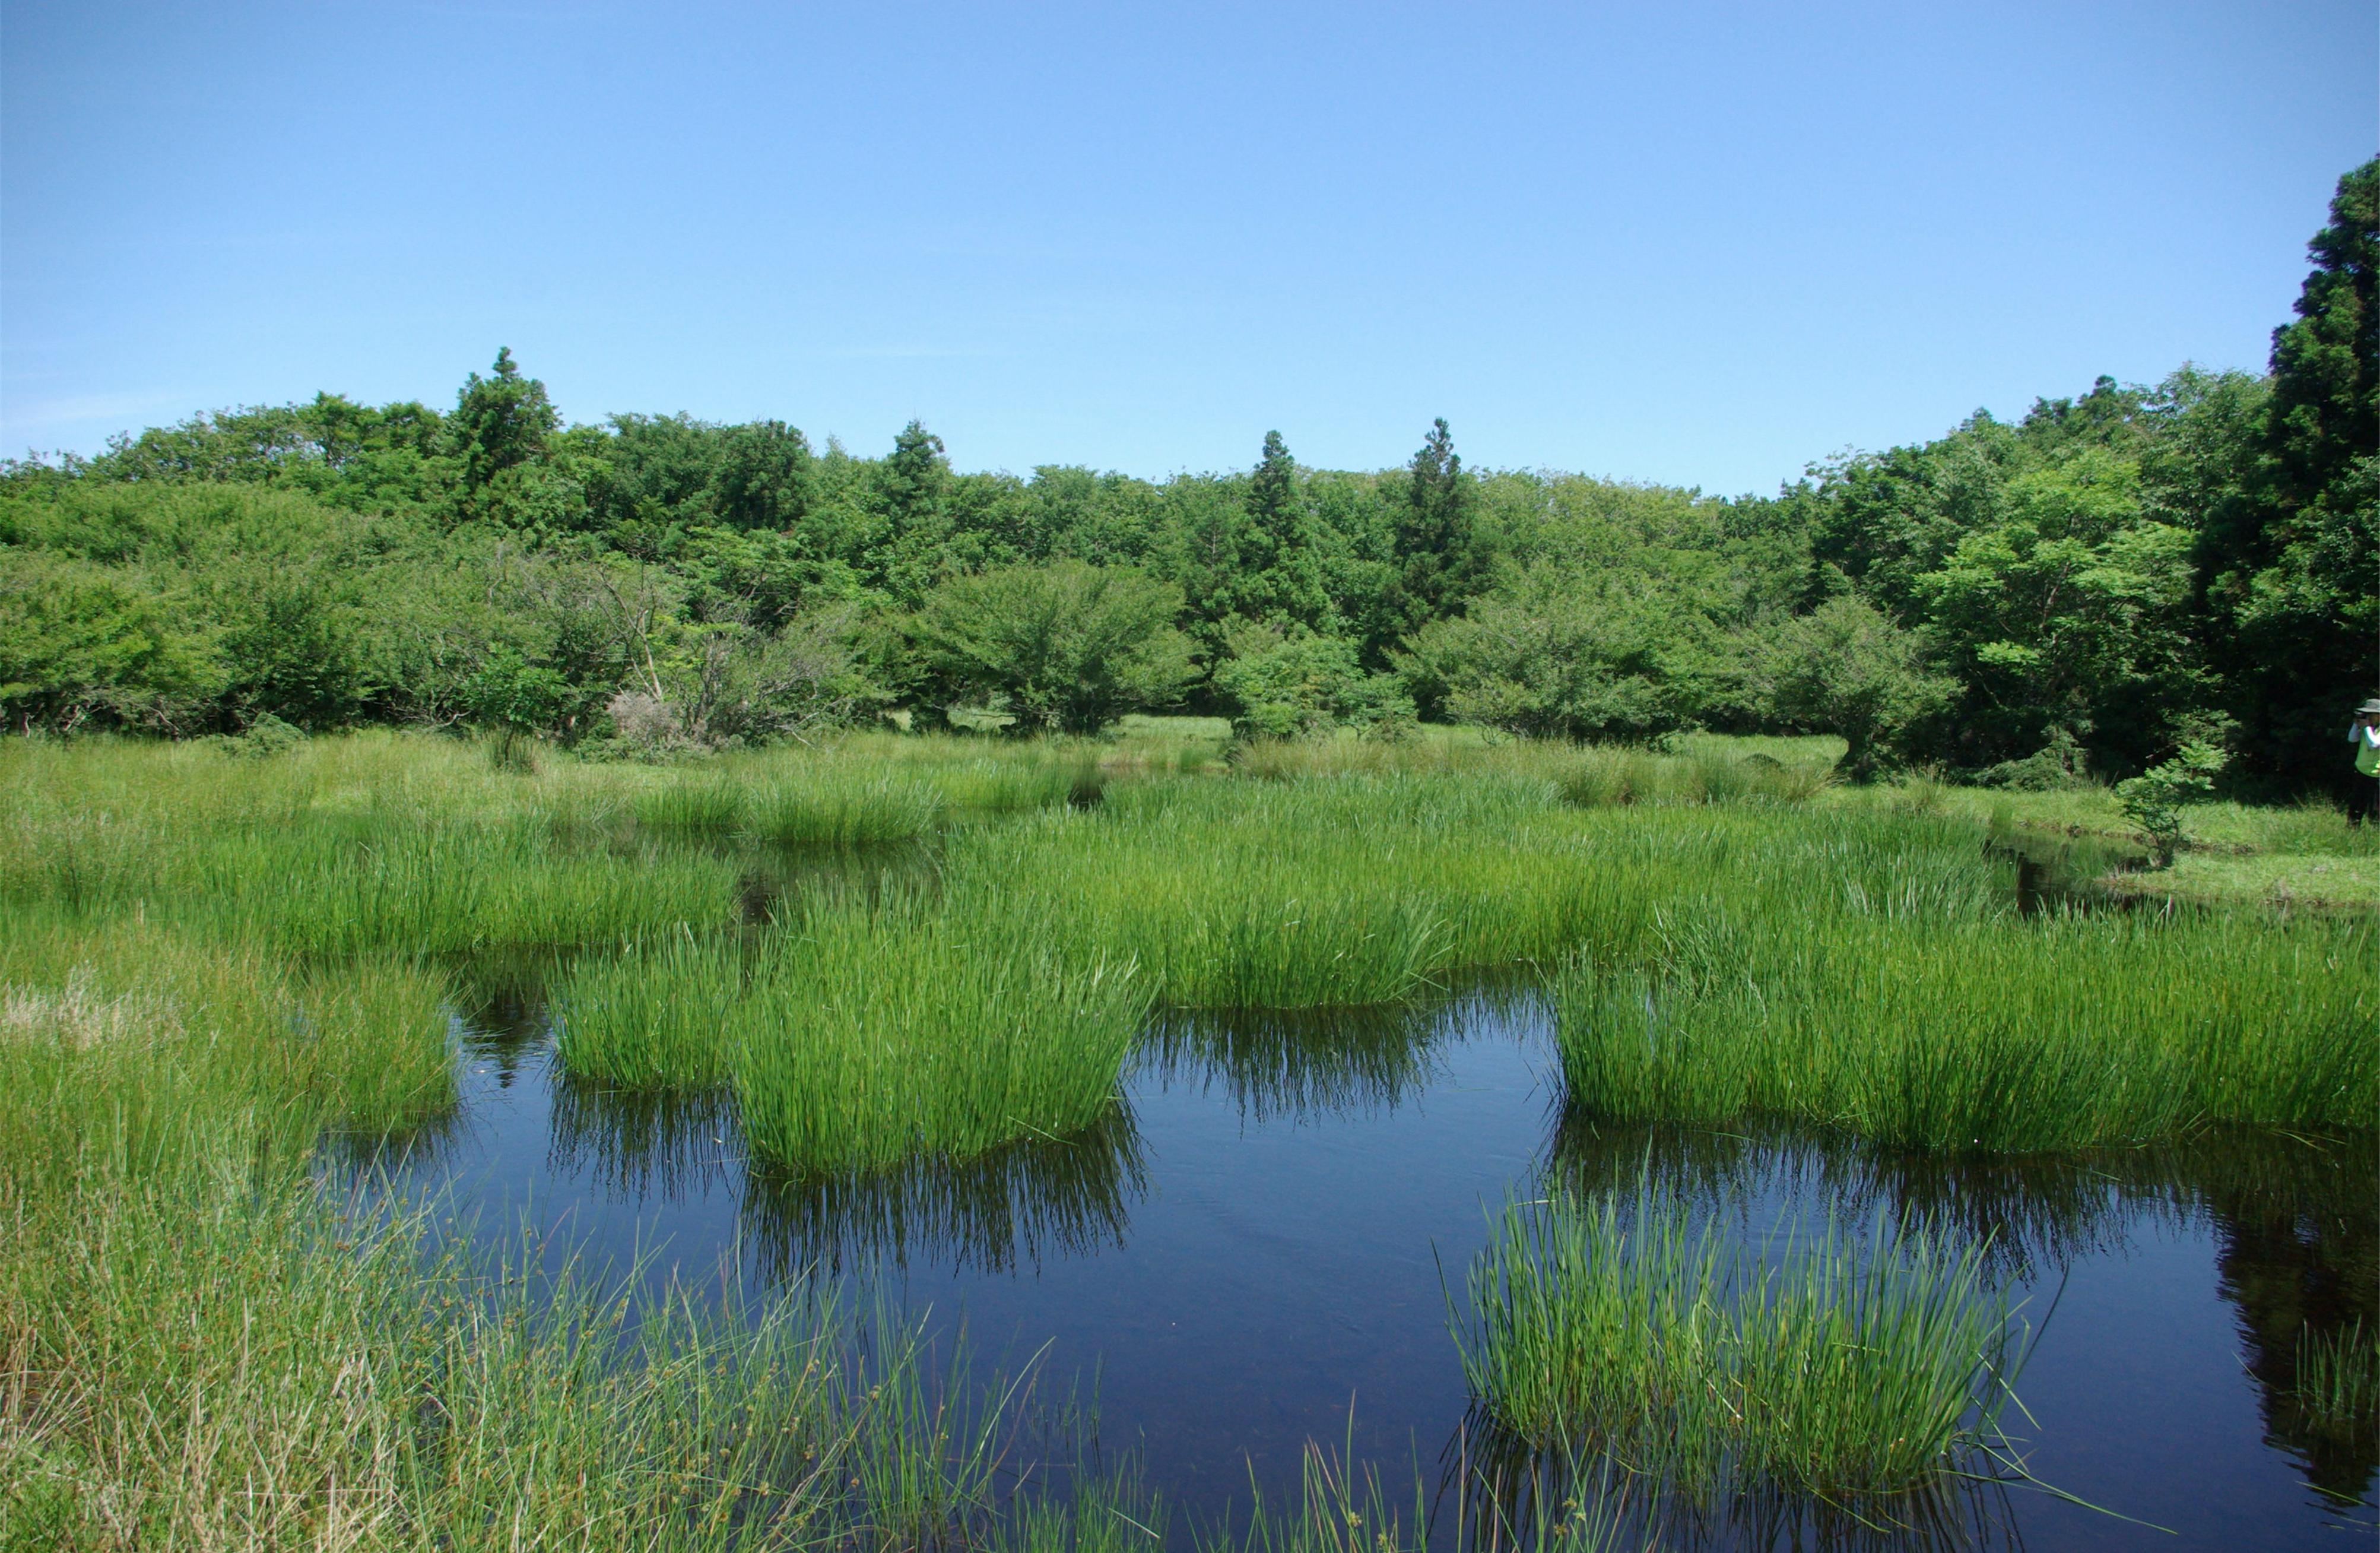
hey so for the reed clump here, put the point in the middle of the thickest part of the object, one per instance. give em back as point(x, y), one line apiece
point(880, 1031)
point(1845, 1365)
point(2338, 1377)
point(656, 1015)
point(860, 1033)
point(1352, 891)
point(1991, 1035)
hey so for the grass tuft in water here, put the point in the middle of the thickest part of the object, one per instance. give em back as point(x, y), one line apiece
point(656, 1015)
point(2339, 1376)
point(876, 1031)
point(1843, 1366)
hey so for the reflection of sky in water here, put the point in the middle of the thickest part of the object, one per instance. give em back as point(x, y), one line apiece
point(1266, 1227)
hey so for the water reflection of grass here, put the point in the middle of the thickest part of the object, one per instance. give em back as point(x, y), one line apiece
point(1301, 1064)
point(2028, 1215)
point(1010, 1207)
point(1494, 1493)
point(643, 1144)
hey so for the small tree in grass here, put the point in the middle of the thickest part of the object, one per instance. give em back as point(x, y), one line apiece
point(2155, 799)
point(516, 700)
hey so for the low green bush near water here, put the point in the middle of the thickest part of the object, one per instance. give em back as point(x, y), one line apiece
point(1845, 1365)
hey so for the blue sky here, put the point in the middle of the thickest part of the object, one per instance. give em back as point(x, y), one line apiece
point(1694, 244)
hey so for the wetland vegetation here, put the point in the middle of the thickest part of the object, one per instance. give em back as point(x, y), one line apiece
point(214, 959)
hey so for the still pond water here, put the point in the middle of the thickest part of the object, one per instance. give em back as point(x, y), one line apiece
point(1255, 1253)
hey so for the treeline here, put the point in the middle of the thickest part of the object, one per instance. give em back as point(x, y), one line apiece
point(2110, 580)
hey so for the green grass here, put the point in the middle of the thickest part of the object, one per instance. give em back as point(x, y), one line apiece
point(861, 1033)
point(806, 802)
point(2302, 855)
point(211, 963)
point(1352, 891)
point(2309, 880)
point(1842, 1366)
point(200, 1346)
point(407, 861)
point(877, 1032)
point(2339, 1376)
point(1709, 773)
point(387, 1017)
point(186, 1368)
point(654, 1016)
point(1989, 1035)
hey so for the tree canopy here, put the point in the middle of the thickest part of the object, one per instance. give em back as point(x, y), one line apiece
point(2107, 581)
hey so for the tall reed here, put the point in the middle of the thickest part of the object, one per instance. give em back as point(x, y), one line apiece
point(1847, 1364)
point(881, 1030)
point(1991, 1035)
point(655, 1015)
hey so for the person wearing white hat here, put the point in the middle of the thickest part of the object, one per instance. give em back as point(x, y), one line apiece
point(2365, 736)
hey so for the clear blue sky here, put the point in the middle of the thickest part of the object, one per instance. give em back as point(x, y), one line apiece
point(1692, 244)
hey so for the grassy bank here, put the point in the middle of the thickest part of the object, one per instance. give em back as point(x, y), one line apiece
point(1995, 1033)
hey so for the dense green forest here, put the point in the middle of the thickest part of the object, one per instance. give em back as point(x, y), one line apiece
point(2110, 579)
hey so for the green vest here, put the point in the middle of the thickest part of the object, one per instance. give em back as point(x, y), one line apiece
point(2367, 757)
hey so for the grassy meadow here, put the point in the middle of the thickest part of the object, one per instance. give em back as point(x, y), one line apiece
point(212, 961)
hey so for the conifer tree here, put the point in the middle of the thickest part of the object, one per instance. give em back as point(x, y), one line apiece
point(2290, 578)
point(500, 422)
point(1438, 554)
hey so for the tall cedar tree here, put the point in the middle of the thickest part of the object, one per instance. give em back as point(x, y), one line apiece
point(500, 422)
point(1277, 579)
point(914, 486)
point(2290, 579)
point(1437, 542)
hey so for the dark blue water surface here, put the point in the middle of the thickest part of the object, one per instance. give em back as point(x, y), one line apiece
point(1263, 1236)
